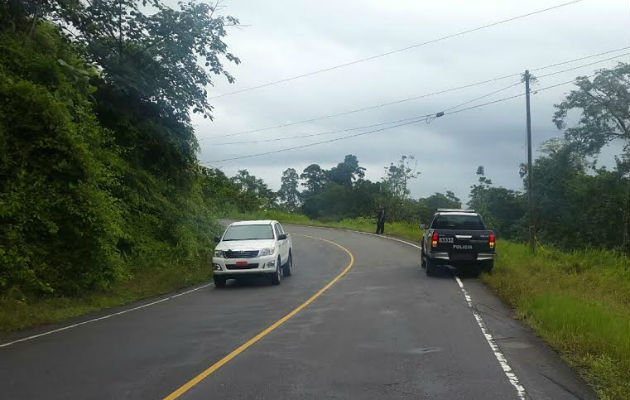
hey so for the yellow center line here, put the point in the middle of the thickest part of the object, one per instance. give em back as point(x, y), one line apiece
point(203, 375)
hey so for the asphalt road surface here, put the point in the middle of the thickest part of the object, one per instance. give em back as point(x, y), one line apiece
point(382, 330)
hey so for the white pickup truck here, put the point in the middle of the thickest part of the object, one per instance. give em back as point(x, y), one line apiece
point(252, 247)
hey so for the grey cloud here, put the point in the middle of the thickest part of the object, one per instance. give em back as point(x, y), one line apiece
point(290, 37)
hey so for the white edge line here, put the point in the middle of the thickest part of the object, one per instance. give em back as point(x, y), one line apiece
point(509, 373)
point(104, 316)
point(505, 366)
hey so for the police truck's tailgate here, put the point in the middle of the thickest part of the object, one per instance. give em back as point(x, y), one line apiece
point(463, 244)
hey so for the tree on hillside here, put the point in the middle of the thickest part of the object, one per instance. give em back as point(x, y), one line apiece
point(394, 192)
point(428, 206)
point(338, 192)
point(346, 172)
point(150, 64)
point(314, 179)
point(573, 206)
point(289, 193)
point(502, 209)
point(440, 200)
point(451, 196)
point(255, 187)
point(102, 181)
point(147, 49)
point(604, 117)
point(604, 113)
point(398, 175)
point(479, 190)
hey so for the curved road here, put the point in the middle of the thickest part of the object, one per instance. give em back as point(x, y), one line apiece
point(382, 330)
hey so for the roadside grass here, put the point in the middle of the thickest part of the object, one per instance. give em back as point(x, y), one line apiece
point(578, 301)
point(16, 313)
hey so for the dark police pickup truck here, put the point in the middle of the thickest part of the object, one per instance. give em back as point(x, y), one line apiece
point(457, 238)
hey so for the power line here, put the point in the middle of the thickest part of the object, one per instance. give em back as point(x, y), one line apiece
point(513, 97)
point(363, 108)
point(419, 119)
point(411, 121)
point(482, 97)
point(537, 77)
point(311, 135)
point(413, 46)
point(373, 107)
point(581, 58)
point(582, 66)
point(429, 117)
point(363, 126)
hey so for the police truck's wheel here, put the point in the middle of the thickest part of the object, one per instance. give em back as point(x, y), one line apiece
point(489, 265)
point(430, 267)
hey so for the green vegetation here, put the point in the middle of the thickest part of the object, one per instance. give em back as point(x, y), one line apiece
point(102, 200)
point(147, 283)
point(342, 192)
point(578, 301)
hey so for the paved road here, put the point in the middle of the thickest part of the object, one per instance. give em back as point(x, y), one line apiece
point(383, 331)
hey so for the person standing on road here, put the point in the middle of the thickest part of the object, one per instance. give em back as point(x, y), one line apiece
point(380, 220)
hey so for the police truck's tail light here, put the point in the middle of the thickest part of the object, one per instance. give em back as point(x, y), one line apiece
point(491, 241)
point(434, 239)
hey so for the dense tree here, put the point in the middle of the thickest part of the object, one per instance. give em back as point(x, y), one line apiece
point(346, 172)
point(429, 205)
point(604, 113)
point(99, 177)
point(149, 50)
point(314, 179)
point(393, 190)
point(440, 200)
point(502, 209)
point(255, 188)
point(398, 175)
point(479, 190)
point(451, 196)
point(574, 207)
point(289, 193)
point(57, 220)
point(604, 117)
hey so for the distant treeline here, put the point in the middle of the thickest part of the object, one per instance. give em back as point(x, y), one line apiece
point(575, 206)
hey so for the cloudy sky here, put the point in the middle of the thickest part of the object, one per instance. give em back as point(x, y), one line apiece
point(284, 38)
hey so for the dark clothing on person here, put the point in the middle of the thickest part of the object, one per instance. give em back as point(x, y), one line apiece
point(380, 221)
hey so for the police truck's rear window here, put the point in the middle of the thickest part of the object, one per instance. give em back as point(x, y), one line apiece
point(446, 221)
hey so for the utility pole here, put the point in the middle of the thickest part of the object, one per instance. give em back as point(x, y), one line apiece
point(529, 164)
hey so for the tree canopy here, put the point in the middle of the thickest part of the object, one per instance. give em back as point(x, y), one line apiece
point(145, 48)
point(603, 107)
